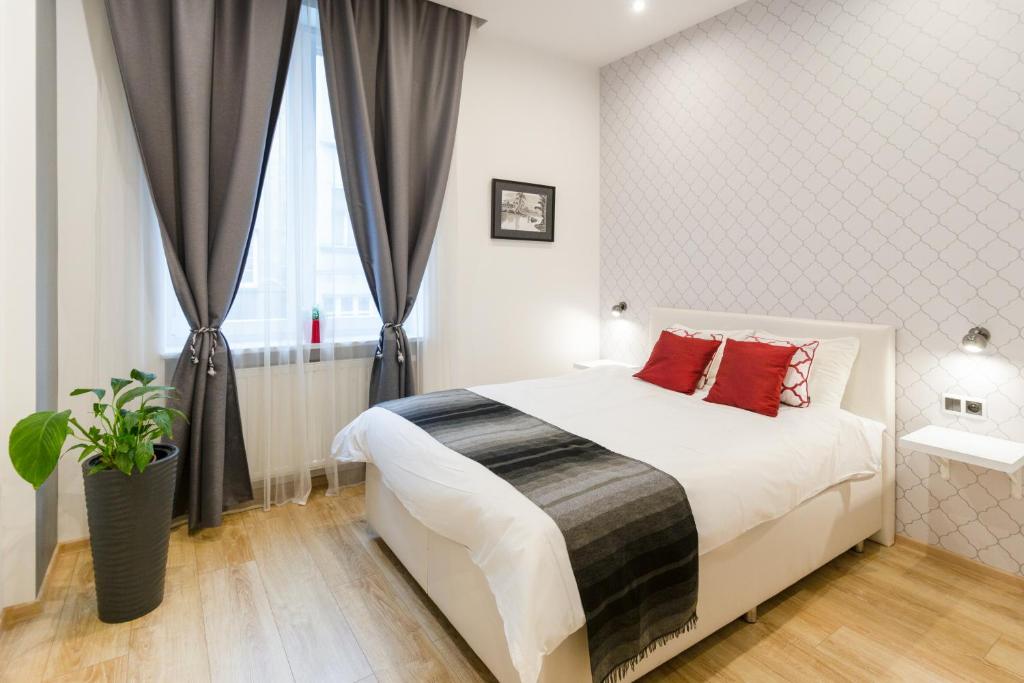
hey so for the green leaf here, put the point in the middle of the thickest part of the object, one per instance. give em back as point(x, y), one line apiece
point(125, 461)
point(100, 393)
point(177, 414)
point(99, 408)
point(164, 421)
point(98, 467)
point(35, 445)
point(137, 392)
point(144, 377)
point(117, 384)
point(130, 421)
point(143, 455)
point(87, 450)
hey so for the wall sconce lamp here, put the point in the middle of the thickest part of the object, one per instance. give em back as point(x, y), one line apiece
point(618, 309)
point(976, 340)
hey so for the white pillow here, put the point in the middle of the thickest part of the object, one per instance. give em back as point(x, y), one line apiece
point(720, 335)
point(796, 385)
point(830, 371)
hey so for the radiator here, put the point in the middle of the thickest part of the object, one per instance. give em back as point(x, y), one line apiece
point(283, 410)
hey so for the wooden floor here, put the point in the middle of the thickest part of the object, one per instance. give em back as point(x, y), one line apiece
point(308, 594)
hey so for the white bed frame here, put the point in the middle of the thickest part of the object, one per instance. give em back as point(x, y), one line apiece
point(734, 578)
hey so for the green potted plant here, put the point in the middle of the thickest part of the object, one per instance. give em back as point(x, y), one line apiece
point(129, 485)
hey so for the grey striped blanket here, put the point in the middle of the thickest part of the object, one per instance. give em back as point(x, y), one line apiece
point(628, 528)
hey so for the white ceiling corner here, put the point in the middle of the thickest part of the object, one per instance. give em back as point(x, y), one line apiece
point(594, 32)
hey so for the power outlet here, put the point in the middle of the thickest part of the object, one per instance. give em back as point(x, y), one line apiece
point(976, 407)
point(965, 406)
point(953, 405)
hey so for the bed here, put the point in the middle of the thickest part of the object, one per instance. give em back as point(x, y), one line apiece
point(767, 529)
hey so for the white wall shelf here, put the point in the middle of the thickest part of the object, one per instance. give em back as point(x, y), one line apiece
point(980, 450)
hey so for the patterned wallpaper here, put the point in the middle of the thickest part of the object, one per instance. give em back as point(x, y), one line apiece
point(859, 160)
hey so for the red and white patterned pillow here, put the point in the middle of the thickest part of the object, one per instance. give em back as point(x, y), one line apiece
point(687, 333)
point(795, 387)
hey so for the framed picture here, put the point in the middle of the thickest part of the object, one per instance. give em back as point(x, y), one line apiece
point(522, 211)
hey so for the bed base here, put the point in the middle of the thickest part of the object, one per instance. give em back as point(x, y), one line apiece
point(734, 579)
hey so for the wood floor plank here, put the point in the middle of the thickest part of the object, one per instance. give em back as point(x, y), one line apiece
point(310, 593)
point(345, 505)
point(61, 575)
point(426, 671)
point(225, 546)
point(795, 612)
point(240, 628)
point(727, 660)
point(25, 647)
point(1008, 655)
point(423, 610)
point(111, 671)
point(460, 659)
point(780, 652)
point(388, 636)
point(181, 552)
point(82, 639)
point(866, 658)
point(316, 636)
point(905, 614)
point(169, 643)
point(333, 545)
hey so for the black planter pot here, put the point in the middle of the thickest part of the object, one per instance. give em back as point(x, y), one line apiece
point(129, 528)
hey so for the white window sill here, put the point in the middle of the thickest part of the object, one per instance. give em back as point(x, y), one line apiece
point(344, 350)
point(168, 354)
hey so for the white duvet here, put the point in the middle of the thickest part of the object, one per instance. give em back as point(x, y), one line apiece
point(739, 470)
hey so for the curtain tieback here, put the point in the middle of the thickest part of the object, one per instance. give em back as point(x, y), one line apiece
point(214, 332)
point(397, 327)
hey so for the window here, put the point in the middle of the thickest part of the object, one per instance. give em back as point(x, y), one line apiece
point(303, 253)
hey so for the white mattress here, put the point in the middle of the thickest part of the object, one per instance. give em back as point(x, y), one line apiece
point(739, 470)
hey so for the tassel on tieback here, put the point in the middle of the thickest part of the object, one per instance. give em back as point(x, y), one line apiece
point(400, 354)
point(214, 333)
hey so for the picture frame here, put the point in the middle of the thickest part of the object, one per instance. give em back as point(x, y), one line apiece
point(522, 211)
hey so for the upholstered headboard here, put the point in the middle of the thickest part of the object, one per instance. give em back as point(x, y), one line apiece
point(870, 393)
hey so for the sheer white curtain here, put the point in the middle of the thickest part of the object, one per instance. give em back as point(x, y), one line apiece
point(436, 306)
point(295, 391)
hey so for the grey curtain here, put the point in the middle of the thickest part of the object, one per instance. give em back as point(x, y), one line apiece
point(204, 81)
point(394, 77)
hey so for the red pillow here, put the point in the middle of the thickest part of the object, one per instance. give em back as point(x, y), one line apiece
point(750, 376)
point(677, 363)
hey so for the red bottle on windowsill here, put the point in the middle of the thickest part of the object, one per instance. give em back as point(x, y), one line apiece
point(315, 335)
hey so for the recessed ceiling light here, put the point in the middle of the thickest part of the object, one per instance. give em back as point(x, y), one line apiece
point(639, 5)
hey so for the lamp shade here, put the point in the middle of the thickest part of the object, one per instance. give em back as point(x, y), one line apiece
point(976, 340)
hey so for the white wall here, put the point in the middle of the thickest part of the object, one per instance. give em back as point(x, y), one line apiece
point(108, 322)
point(17, 289)
point(522, 309)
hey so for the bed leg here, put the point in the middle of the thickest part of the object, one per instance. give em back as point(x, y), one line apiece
point(859, 548)
point(751, 616)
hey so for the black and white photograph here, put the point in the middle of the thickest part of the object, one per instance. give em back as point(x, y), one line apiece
point(522, 211)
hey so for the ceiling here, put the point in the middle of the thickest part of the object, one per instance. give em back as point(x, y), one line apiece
point(591, 31)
